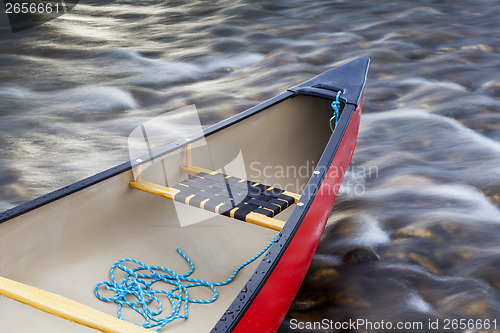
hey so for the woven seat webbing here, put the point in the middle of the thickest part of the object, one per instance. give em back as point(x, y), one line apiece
point(231, 196)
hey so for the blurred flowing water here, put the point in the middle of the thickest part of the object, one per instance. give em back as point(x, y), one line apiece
point(414, 232)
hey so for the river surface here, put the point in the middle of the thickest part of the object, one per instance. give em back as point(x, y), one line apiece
point(414, 235)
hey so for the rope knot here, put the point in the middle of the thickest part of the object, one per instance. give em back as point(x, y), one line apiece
point(336, 109)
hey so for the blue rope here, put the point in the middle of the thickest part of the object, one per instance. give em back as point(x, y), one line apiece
point(336, 110)
point(136, 289)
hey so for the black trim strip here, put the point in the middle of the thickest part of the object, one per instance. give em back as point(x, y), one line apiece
point(62, 192)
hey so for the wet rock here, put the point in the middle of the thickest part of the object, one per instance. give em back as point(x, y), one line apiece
point(325, 274)
point(484, 265)
point(317, 58)
point(425, 263)
point(354, 302)
point(225, 70)
point(272, 31)
point(343, 299)
point(257, 96)
point(346, 227)
point(323, 269)
point(433, 256)
point(227, 110)
point(493, 194)
point(276, 59)
point(479, 47)
point(415, 231)
point(412, 181)
point(360, 255)
point(452, 303)
point(453, 256)
point(437, 37)
point(487, 122)
point(449, 227)
point(395, 255)
point(480, 307)
point(15, 190)
point(308, 300)
point(492, 88)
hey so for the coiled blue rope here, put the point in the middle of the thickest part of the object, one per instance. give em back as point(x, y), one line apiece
point(336, 110)
point(138, 285)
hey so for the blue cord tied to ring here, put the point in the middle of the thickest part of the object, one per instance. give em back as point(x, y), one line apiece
point(136, 289)
point(336, 110)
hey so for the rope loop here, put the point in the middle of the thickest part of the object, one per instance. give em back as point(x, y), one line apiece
point(336, 110)
point(136, 290)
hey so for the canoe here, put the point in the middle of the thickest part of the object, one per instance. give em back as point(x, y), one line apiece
point(261, 182)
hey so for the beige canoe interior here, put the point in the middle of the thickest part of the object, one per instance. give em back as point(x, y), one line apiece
point(69, 245)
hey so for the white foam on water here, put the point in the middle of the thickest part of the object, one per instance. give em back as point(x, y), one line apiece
point(139, 69)
point(101, 98)
point(451, 147)
point(15, 92)
point(470, 198)
point(417, 303)
point(90, 30)
point(87, 98)
point(369, 234)
point(144, 70)
point(419, 11)
point(236, 61)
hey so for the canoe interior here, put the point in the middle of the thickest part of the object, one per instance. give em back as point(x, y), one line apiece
point(67, 246)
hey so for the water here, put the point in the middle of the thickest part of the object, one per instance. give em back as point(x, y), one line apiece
point(423, 189)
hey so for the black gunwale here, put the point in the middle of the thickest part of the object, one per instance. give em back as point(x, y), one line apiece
point(242, 302)
point(101, 176)
point(356, 72)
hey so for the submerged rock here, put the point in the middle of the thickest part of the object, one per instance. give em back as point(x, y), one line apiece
point(15, 190)
point(425, 263)
point(492, 193)
point(480, 307)
point(323, 268)
point(410, 181)
point(360, 255)
point(352, 301)
point(325, 274)
point(418, 231)
point(308, 300)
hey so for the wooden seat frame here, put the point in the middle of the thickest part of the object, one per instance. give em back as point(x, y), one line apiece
point(170, 192)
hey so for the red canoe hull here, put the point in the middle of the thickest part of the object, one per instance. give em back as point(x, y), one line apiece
point(269, 308)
